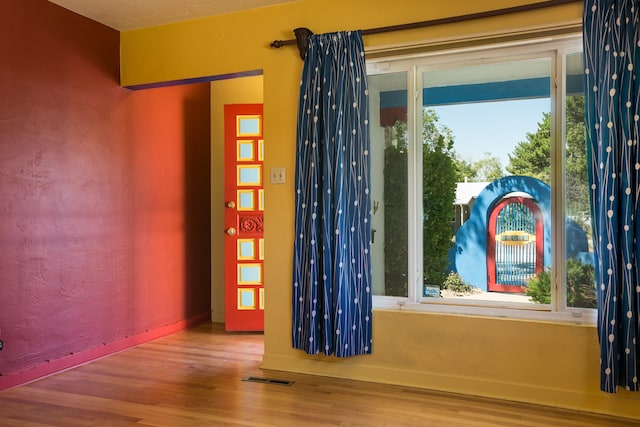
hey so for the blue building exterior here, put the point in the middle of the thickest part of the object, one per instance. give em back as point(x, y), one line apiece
point(468, 256)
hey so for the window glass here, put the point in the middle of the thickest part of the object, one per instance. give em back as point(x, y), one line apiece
point(485, 139)
point(471, 154)
point(389, 144)
point(579, 267)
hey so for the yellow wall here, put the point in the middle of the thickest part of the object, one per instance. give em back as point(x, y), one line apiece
point(547, 363)
point(246, 90)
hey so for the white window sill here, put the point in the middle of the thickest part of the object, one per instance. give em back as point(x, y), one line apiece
point(506, 310)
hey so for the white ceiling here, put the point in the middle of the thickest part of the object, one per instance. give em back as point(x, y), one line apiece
point(131, 14)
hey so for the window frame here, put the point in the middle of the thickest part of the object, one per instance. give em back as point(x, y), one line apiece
point(556, 48)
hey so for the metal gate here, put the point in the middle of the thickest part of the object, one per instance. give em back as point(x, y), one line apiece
point(514, 244)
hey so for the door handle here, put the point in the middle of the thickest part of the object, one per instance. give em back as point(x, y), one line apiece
point(230, 231)
point(230, 204)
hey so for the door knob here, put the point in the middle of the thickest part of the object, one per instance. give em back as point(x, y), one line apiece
point(231, 204)
point(230, 231)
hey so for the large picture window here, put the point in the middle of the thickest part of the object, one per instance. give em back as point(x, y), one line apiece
point(481, 197)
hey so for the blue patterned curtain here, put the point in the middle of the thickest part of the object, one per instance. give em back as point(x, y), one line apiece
point(611, 109)
point(331, 265)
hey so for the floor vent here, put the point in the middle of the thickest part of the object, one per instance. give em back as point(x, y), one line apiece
point(268, 381)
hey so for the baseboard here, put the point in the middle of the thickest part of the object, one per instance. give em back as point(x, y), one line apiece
point(622, 404)
point(71, 361)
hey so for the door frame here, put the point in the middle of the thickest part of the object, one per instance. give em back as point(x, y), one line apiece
point(491, 242)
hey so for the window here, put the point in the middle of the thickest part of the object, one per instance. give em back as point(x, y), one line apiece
point(482, 197)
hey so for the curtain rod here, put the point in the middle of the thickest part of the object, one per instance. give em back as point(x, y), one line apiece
point(303, 34)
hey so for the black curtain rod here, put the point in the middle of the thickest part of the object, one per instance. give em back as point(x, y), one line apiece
point(302, 34)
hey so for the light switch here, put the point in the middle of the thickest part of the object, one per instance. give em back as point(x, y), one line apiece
point(277, 176)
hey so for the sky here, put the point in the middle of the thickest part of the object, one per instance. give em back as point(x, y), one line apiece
point(494, 127)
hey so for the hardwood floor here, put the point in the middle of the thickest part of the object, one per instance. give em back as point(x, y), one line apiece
point(196, 378)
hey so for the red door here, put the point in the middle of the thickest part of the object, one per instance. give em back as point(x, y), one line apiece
point(244, 217)
point(515, 244)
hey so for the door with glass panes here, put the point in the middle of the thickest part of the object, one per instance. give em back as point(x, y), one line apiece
point(244, 218)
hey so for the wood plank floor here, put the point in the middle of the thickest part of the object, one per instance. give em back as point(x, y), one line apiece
point(195, 378)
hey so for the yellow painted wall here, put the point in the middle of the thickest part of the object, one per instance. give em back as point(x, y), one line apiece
point(246, 90)
point(547, 363)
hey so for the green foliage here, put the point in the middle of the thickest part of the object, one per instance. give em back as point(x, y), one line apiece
point(466, 169)
point(487, 169)
point(581, 290)
point(395, 223)
point(533, 156)
point(454, 283)
point(576, 180)
point(439, 190)
point(439, 186)
point(581, 284)
point(399, 136)
point(539, 288)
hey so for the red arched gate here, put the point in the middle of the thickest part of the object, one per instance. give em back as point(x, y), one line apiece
point(514, 244)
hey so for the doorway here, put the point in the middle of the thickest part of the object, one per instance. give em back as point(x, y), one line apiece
point(242, 90)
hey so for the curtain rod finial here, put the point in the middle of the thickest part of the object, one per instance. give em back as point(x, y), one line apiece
point(302, 38)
